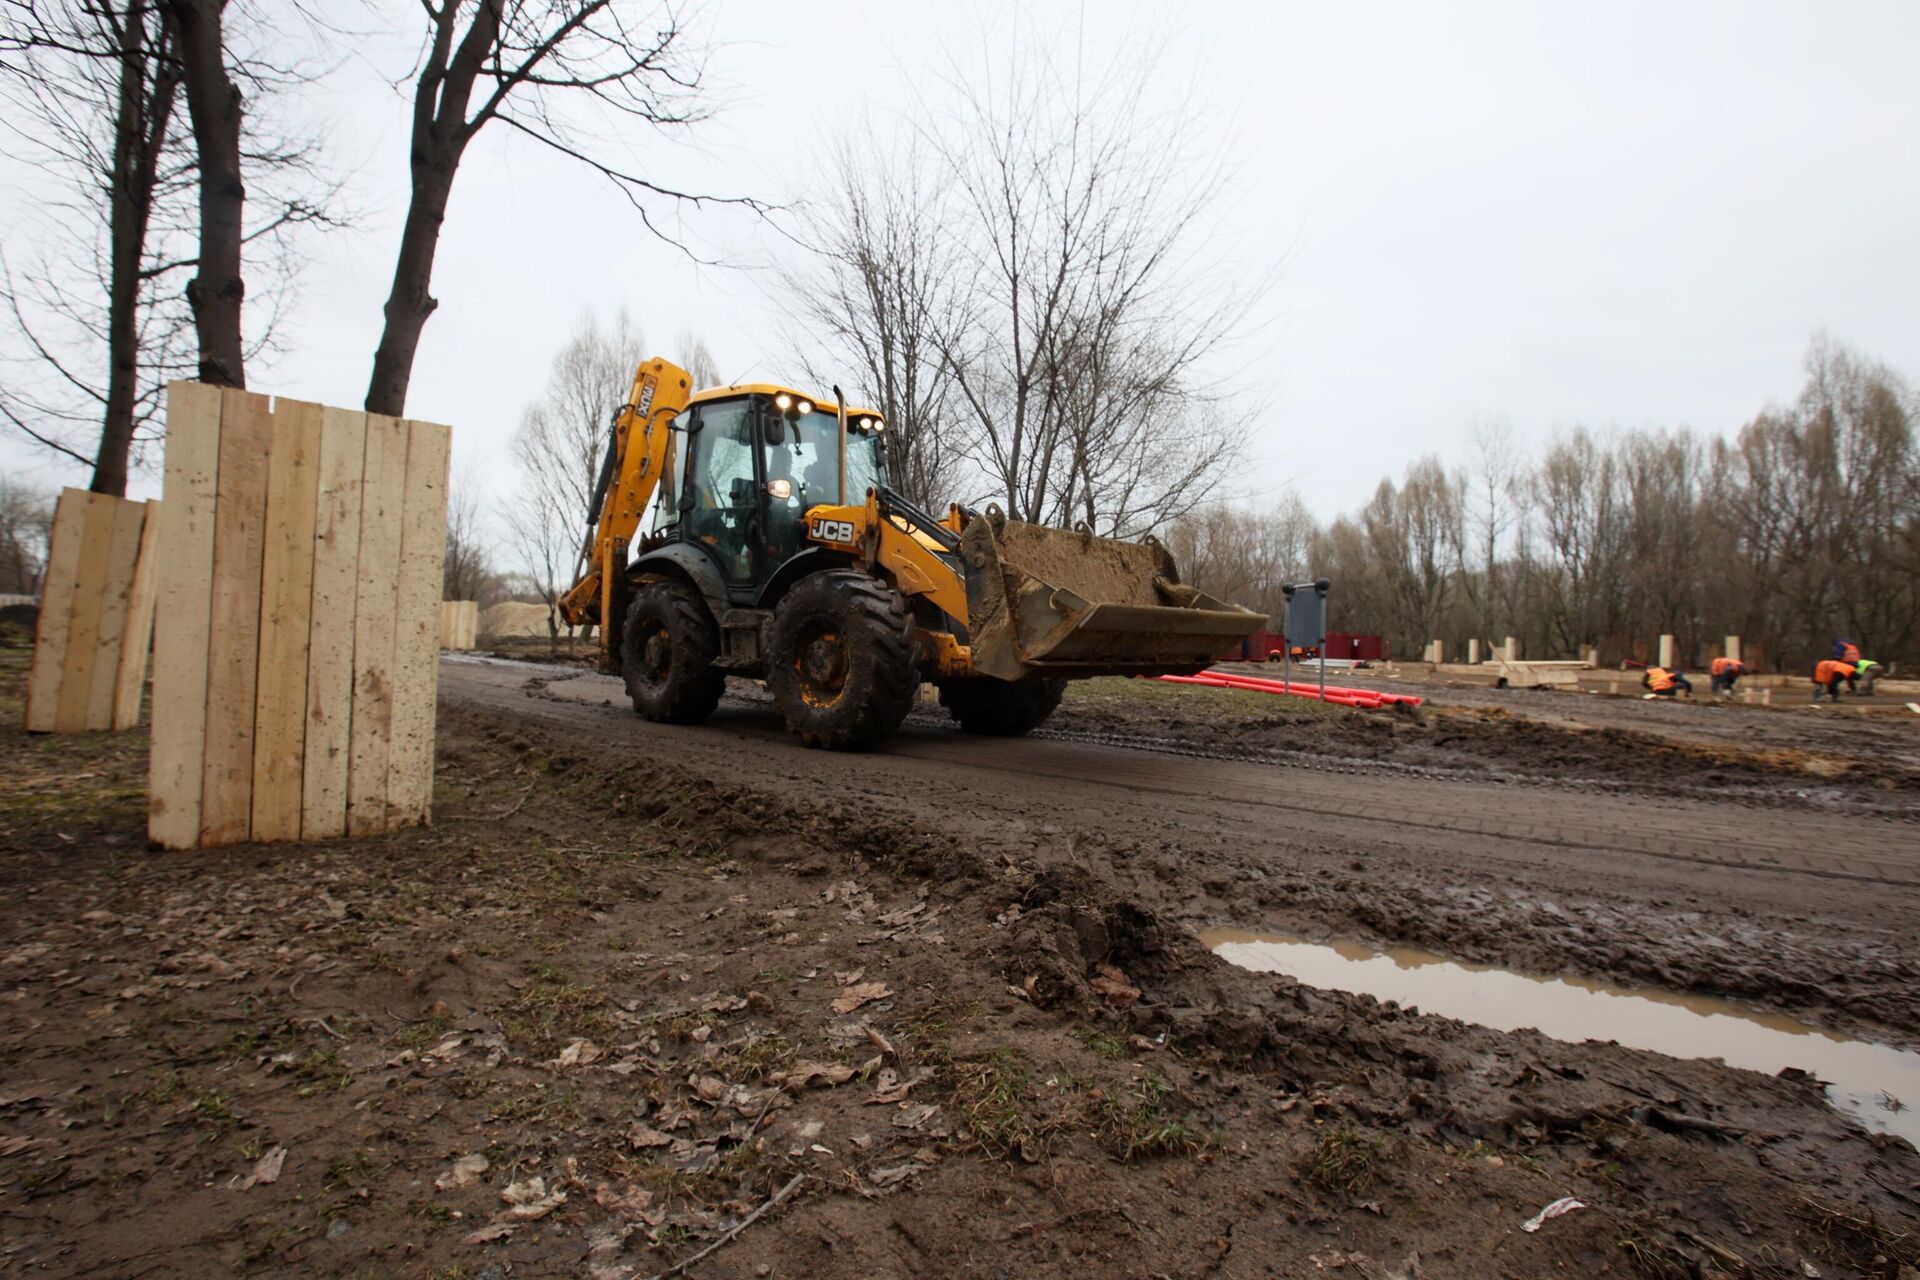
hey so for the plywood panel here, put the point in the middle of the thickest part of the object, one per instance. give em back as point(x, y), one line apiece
point(383, 485)
point(286, 599)
point(130, 674)
point(56, 611)
point(469, 623)
point(233, 648)
point(185, 581)
point(416, 639)
point(336, 570)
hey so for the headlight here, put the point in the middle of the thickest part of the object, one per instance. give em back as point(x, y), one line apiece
point(783, 402)
point(805, 407)
point(782, 489)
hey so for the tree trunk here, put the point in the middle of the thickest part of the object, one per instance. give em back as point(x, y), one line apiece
point(217, 291)
point(140, 131)
point(410, 301)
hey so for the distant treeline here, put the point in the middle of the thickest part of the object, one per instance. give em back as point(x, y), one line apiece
point(1803, 527)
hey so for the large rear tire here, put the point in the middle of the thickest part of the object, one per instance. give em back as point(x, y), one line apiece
point(840, 660)
point(667, 651)
point(1001, 708)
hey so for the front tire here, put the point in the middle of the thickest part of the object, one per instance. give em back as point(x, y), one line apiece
point(840, 660)
point(1001, 708)
point(667, 650)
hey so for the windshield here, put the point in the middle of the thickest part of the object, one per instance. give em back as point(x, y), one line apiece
point(809, 457)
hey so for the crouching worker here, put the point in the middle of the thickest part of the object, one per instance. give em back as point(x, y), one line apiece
point(1866, 669)
point(1662, 683)
point(1829, 675)
point(1726, 674)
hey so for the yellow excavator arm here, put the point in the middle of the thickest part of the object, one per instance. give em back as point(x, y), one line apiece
point(631, 475)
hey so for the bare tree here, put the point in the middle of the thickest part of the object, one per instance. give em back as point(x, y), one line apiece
point(698, 361)
point(26, 517)
point(93, 91)
point(469, 572)
point(872, 301)
point(1087, 309)
point(559, 446)
point(526, 64)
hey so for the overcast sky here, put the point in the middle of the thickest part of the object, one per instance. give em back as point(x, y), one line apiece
point(1623, 215)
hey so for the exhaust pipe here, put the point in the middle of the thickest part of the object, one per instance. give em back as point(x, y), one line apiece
point(840, 412)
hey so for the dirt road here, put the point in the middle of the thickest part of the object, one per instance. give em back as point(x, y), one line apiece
point(1805, 910)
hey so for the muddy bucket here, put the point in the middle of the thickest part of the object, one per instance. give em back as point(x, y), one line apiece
point(1062, 603)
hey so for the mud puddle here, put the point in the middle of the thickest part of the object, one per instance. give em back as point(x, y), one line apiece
point(1869, 1081)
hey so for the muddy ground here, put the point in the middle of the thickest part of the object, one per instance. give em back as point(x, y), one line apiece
point(641, 993)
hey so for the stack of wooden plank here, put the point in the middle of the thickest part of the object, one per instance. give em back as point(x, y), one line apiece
point(459, 623)
point(96, 615)
point(294, 656)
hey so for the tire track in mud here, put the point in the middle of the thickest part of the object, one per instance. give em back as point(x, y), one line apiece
point(1734, 836)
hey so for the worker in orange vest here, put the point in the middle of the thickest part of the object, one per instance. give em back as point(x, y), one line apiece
point(1662, 683)
point(1828, 676)
point(1726, 674)
point(1846, 651)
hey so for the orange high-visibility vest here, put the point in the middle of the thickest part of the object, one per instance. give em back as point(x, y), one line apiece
point(1851, 653)
point(1728, 666)
point(1831, 669)
point(1659, 678)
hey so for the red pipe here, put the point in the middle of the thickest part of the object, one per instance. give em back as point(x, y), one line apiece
point(1369, 699)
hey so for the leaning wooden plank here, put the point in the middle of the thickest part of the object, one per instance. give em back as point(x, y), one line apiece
point(469, 623)
point(383, 487)
point(90, 585)
point(336, 571)
point(131, 676)
point(416, 633)
point(286, 601)
point(56, 611)
point(233, 652)
point(180, 631)
point(128, 518)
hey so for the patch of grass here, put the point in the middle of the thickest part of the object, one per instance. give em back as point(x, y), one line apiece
point(553, 1010)
point(1342, 1162)
point(992, 1096)
point(754, 1058)
point(427, 1031)
point(1134, 1125)
point(212, 1108)
point(321, 1071)
point(1104, 1044)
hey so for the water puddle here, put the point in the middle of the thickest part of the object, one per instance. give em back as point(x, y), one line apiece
point(1860, 1074)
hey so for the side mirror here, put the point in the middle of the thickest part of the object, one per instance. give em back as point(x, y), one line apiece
point(773, 429)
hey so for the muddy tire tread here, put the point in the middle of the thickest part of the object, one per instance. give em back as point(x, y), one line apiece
point(862, 600)
point(696, 685)
point(1001, 708)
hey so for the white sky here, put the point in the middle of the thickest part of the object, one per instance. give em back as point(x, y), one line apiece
point(1621, 215)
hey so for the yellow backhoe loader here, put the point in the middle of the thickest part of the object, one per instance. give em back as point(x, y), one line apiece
point(782, 554)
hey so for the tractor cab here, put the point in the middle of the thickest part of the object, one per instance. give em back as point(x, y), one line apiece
point(756, 460)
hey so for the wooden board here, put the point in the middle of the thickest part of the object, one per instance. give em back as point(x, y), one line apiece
point(233, 647)
point(416, 639)
point(286, 599)
point(336, 569)
point(383, 486)
point(56, 610)
point(123, 553)
point(459, 623)
point(185, 580)
point(130, 676)
point(90, 585)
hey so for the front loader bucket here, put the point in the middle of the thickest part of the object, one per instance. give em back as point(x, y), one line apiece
point(1056, 603)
